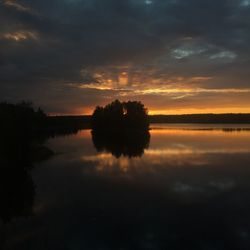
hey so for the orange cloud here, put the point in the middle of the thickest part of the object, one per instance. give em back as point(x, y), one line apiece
point(19, 36)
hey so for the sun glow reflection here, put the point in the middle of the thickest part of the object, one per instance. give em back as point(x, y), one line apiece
point(170, 147)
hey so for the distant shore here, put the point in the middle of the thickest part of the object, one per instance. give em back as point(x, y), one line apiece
point(202, 118)
point(84, 121)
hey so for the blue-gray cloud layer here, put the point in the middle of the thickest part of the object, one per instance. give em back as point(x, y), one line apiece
point(45, 44)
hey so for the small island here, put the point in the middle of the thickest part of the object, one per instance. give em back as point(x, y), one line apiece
point(121, 128)
point(117, 116)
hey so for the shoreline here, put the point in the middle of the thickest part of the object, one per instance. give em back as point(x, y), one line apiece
point(84, 121)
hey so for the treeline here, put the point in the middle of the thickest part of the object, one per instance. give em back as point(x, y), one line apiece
point(21, 117)
point(85, 121)
point(24, 118)
point(59, 125)
point(201, 118)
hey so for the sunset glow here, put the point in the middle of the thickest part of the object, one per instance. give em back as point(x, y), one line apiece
point(176, 62)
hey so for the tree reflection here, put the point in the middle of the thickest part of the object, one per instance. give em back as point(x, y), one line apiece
point(17, 191)
point(18, 152)
point(121, 143)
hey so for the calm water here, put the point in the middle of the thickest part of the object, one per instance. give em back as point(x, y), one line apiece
point(189, 189)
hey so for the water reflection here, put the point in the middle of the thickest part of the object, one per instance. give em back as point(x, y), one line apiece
point(17, 189)
point(19, 150)
point(127, 143)
point(169, 148)
point(189, 190)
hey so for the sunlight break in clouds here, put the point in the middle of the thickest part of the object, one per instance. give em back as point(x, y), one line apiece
point(190, 91)
point(20, 36)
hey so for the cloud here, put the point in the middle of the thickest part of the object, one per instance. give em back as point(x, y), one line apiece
point(18, 6)
point(245, 3)
point(224, 55)
point(20, 36)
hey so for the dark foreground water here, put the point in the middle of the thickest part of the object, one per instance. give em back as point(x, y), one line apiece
point(189, 189)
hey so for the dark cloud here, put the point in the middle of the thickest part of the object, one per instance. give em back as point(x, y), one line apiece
point(48, 44)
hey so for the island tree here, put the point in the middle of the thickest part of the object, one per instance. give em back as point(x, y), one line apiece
point(131, 115)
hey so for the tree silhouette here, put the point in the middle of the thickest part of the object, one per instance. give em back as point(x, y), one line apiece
point(121, 115)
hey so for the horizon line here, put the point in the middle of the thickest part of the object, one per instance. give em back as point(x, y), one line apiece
point(241, 113)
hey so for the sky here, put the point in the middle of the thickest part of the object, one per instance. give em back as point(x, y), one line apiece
point(175, 56)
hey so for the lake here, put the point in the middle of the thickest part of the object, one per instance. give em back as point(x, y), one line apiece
point(184, 187)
